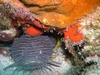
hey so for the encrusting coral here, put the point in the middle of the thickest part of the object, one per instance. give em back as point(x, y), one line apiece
point(60, 13)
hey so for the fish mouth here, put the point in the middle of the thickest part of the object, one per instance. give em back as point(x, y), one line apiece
point(33, 62)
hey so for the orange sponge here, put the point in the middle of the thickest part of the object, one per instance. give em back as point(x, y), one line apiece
point(32, 31)
point(72, 33)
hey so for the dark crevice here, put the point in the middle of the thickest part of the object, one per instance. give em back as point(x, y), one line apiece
point(36, 5)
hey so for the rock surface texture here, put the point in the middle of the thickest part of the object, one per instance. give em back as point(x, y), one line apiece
point(60, 13)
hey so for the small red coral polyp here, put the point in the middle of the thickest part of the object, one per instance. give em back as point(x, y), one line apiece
point(32, 31)
point(14, 22)
point(73, 34)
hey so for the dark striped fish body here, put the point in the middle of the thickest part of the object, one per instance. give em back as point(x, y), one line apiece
point(32, 53)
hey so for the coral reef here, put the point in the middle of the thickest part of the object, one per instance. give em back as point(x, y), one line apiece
point(76, 30)
point(90, 51)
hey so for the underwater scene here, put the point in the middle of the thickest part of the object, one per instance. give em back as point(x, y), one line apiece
point(49, 37)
